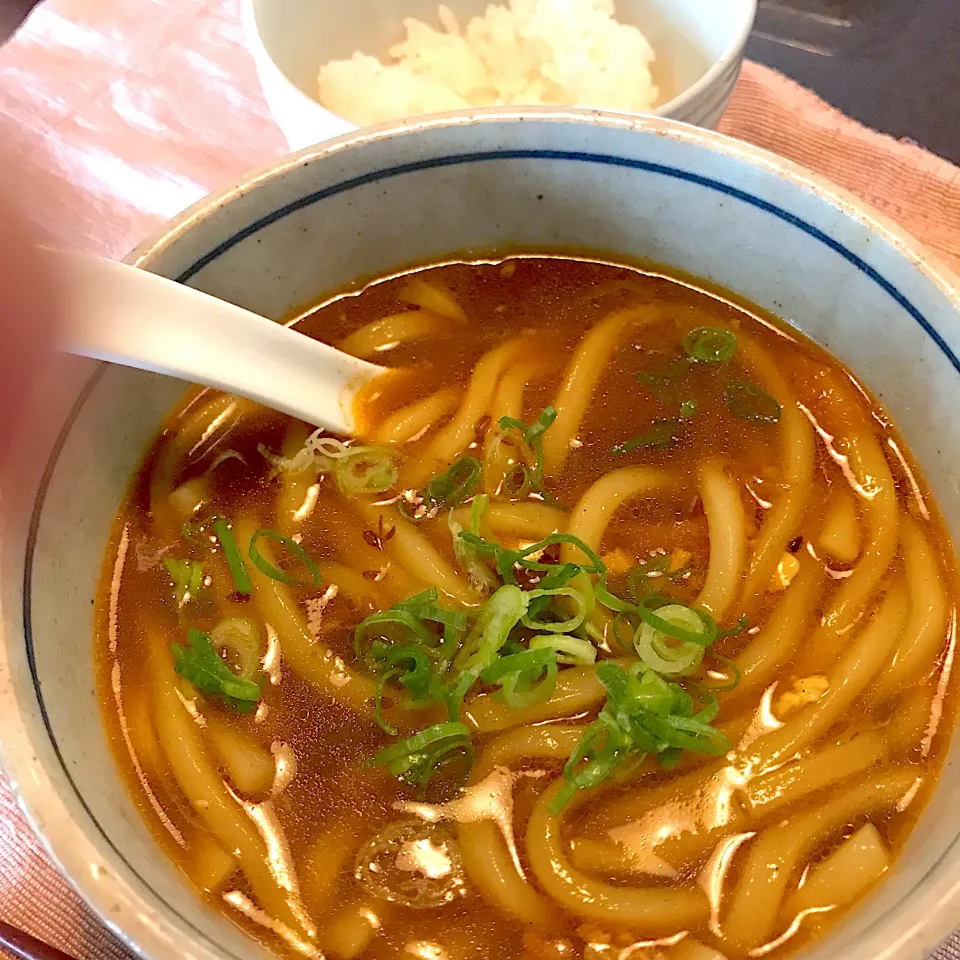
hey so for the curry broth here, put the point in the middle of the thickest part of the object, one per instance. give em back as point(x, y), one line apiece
point(554, 301)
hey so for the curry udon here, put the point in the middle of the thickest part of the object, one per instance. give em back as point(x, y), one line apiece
point(623, 631)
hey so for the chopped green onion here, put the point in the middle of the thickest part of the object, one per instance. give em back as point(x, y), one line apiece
point(454, 623)
point(385, 726)
point(200, 663)
point(480, 576)
point(525, 660)
point(641, 575)
point(424, 607)
point(596, 565)
point(710, 345)
point(688, 409)
point(366, 470)
point(736, 675)
point(428, 596)
point(418, 741)
point(554, 577)
point(454, 487)
point(410, 616)
point(583, 602)
point(238, 569)
point(239, 637)
point(611, 601)
point(533, 437)
point(376, 624)
point(417, 759)
point(187, 577)
point(537, 429)
point(414, 671)
point(406, 648)
point(671, 659)
point(559, 575)
point(662, 435)
point(525, 678)
point(357, 469)
point(748, 402)
point(644, 714)
point(742, 624)
point(649, 608)
point(569, 650)
point(629, 621)
point(293, 548)
point(520, 692)
point(498, 616)
point(506, 560)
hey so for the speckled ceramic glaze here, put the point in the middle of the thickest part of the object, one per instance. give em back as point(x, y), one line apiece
point(699, 46)
point(376, 201)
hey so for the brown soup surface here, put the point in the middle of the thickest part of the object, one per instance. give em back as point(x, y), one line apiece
point(674, 678)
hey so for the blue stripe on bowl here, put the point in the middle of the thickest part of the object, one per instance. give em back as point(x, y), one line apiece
point(577, 157)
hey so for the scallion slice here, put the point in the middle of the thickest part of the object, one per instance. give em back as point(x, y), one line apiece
point(481, 578)
point(366, 470)
point(748, 402)
point(293, 548)
point(454, 487)
point(533, 438)
point(417, 759)
point(710, 345)
point(411, 667)
point(506, 560)
point(583, 603)
point(675, 658)
point(648, 610)
point(662, 435)
point(201, 664)
point(187, 577)
point(569, 650)
point(240, 638)
point(644, 714)
point(525, 678)
point(498, 616)
point(735, 674)
point(231, 553)
point(377, 623)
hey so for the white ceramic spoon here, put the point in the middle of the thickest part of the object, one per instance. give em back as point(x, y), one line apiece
point(129, 316)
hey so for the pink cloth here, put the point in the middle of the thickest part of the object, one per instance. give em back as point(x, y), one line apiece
point(126, 111)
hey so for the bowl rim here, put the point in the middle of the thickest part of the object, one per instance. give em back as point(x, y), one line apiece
point(907, 245)
point(143, 924)
point(718, 67)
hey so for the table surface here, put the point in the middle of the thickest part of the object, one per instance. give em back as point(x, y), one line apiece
point(126, 111)
point(891, 64)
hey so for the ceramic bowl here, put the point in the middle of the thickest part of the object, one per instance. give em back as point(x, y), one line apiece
point(375, 202)
point(699, 45)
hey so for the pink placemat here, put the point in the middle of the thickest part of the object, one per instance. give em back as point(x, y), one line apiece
point(126, 111)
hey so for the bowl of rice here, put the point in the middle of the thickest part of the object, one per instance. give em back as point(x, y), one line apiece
point(327, 67)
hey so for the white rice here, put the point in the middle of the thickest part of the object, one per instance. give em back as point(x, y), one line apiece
point(560, 52)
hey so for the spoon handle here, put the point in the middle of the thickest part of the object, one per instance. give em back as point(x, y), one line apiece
point(135, 318)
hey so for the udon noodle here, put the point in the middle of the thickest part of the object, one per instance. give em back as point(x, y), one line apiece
point(623, 631)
